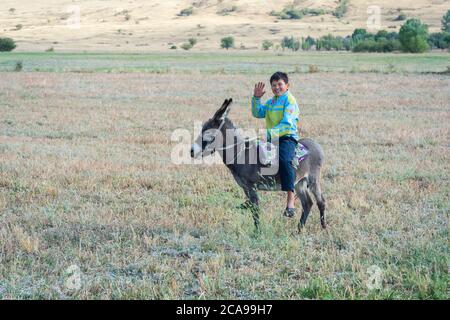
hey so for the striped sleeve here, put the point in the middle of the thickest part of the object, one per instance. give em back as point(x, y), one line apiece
point(258, 109)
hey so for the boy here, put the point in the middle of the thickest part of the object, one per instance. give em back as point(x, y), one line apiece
point(282, 114)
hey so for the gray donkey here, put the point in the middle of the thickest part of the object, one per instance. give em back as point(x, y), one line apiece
point(238, 154)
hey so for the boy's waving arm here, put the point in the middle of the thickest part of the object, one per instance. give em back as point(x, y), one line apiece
point(287, 125)
point(258, 109)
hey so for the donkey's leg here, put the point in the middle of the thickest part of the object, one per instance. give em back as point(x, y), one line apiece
point(317, 192)
point(247, 204)
point(253, 196)
point(303, 195)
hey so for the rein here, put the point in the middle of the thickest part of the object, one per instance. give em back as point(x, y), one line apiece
point(230, 146)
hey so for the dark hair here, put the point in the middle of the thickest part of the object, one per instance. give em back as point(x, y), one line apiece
point(279, 76)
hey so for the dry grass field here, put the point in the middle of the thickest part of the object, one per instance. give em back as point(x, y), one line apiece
point(92, 207)
point(143, 25)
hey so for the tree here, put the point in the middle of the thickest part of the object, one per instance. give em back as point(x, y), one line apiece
point(381, 34)
point(7, 44)
point(267, 44)
point(413, 36)
point(359, 34)
point(308, 43)
point(438, 40)
point(227, 42)
point(446, 22)
point(290, 43)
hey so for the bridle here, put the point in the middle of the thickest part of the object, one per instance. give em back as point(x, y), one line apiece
point(207, 148)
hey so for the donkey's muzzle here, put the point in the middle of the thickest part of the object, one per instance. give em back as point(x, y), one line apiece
point(195, 151)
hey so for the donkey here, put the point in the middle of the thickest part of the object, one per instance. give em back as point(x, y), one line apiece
point(235, 151)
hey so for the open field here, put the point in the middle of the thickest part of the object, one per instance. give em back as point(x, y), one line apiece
point(86, 180)
point(226, 63)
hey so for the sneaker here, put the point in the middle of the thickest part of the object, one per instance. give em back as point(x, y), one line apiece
point(289, 212)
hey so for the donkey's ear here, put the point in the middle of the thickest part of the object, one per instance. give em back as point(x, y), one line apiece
point(223, 110)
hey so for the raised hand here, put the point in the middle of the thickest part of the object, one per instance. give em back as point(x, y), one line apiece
point(259, 90)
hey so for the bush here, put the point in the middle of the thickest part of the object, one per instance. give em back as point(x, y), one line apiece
point(413, 36)
point(330, 42)
point(186, 12)
point(401, 17)
point(290, 43)
point(266, 45)
point(360, 34)
point(381, 34)
point(7, 44)
point(227, 42)
point(308, 43)
point(227, 11)
point(315, 12)
point(437, 40)
point(192, 41)
point(312, 68)
point(341, 9)
point(290, 12)
point(348, 43)
point(186, 46)
point(382, 45)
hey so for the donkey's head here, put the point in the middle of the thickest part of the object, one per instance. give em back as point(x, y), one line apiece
point(210, 137)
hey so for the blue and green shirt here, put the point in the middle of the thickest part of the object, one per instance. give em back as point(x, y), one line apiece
point(281, 114)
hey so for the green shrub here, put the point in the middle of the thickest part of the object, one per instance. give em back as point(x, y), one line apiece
point(401, 17)
point(341, 9)
point(382, 45)
point(413, 36)
point(359, 34)
point(307, 43)
point(290, 43)
point(267, 44)
point(315, 12)
point(186, 12)
point(192, 41)
point(330, 42)
point(438, 40)
point(227, 42)
point(227, 11)
point(291, 12)
point(186, 46)
point(7, 44)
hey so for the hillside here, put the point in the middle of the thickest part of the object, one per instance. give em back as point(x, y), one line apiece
point(138, 25)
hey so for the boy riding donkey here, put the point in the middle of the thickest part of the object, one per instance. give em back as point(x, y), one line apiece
point(282, 115)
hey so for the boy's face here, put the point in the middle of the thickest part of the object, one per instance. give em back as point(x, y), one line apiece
point(279, 87)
